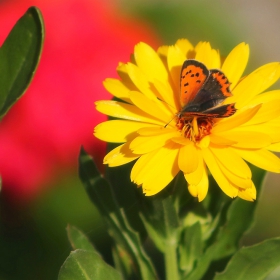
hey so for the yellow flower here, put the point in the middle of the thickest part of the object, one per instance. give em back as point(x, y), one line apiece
point(149, 114)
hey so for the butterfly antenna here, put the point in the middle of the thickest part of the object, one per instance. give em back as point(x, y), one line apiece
point(170, 121)
point(169, 106)
point(163, 101)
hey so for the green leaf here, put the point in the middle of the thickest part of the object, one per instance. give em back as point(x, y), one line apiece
point(191, 247)
point(254, 262)
point(101, 194)
point(123, 263)
point(19, 57)
point(86, 265)
point(78, 240)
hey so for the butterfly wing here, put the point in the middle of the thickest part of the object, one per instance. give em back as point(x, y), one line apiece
point(223, 111)
point(193, 76)
point(212, 93)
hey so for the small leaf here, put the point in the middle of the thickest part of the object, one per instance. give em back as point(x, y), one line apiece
point(78, 240)
point(19, 57)
point(254, 262)
point(86, 265)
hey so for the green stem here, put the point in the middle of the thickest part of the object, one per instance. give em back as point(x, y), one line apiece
point(171, 261)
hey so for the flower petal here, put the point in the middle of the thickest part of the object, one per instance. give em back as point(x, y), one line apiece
point(236, 120)
point(153, 131)
point(200, 190)
point(265, 97)
point(269, 129)
point(275, 147)
point(162, 51)
point(118, 131)
point(188, 158)
point(203, 54)
point(220, 141)
point(169, 97)
point(255, 83)
point(247, 139)
point(117, 88)
point(204, 142)
point(140, 80)
point(249, 194)
point(149, 62)
point(151, 107)
point(125, 111)
point(125, 79)
point(238, 182)
point(185, 46)
point(233, 174)
point(181, 140)
point(119, 156)
point(207, 55)
point(175, 60)
point(268, 111)
point(235, 63)
point(261, 158)
point(218, 175)
point(146, 144)
point(195, 177)
point(216, 59)
point(232, 161)
point(155, 170)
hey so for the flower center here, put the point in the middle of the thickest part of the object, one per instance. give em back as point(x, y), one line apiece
point(195, 128)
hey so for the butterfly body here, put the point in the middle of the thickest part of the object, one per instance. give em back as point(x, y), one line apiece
point(202, 91)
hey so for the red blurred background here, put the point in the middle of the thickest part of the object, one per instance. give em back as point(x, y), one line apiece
point(42, 134)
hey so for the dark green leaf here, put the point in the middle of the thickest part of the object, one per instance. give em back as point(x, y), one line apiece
point(100, 192)
point(254, 262)
point(19, 57)
point(191, 247)
point(86, 265)
point(78, 240)
point(123, 263)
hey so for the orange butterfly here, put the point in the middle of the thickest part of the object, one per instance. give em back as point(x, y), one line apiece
point(202, 91)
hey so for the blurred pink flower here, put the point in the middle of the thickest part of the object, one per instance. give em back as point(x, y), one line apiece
point(43, 132)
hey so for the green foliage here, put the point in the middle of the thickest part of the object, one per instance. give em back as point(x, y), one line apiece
point(128, 241)
point(19, 57)
point(78, 240)
point(197, 240)
point(254, 262)
point(85, 262)
point(161, 221)
point(85, 265)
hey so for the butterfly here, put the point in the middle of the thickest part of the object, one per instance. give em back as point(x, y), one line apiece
point(202, 91)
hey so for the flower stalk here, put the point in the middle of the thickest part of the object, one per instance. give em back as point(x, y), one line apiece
point(171, 260)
